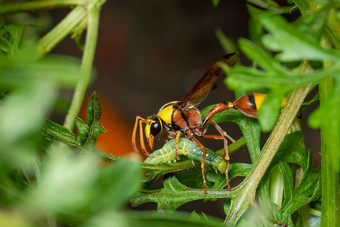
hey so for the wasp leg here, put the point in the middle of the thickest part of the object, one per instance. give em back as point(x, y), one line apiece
point(141, 138)
point(151, 142)
point(223, 136)
point(165, 137)
point(216, 109)
point(178, 136)
point(138, 122)
point(202, 163)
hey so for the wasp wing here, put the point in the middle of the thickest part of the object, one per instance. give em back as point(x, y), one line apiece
point(202, 88)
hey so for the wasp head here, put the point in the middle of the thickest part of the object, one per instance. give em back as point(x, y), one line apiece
point(152, 128)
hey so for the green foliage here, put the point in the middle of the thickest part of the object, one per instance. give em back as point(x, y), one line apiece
point(50, 175)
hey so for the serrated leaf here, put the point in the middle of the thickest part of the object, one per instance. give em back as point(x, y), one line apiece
point(22, 113)
point(239, 169)
point(308, 190)
point(166, 203)
point(88, 181)
point(64, 71)
point(60, 133)
point(292, 151)
point(271, 212)
point(261, 58)
point(83, 130)
point(98, 129)
point(314, 24)
point(251, 132)
point(328, 110)
point(118, 183)
point(288, 182)
point(293, 44)
point(94, 110)
point(10, 37)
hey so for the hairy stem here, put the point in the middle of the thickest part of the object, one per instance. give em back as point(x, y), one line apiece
point(86, 66)
point(330, 206)
point(65, 27)
point(38, 5)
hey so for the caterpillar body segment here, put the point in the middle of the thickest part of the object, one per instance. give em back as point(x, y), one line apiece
point(188, 148)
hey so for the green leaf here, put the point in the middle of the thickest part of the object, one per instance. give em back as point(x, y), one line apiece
point(83, 130)
point(261, 58)
point(294, 44)
point(10, 37)
point(307, 191)
point(94, 110)
point(94, 188)
point(118, 183)
point(22, 113)
point(270, 109)
point(276, 185)
point(227, 44)
point(166, 203)
point(314, 24)
point(270, 212)
point(239, 170)
point(251, 132)
point(175, 194)
point(60, 133)
point(329, 109)
point(292, 151)
point(150, 218)
point(288, 182)
point(64, 71)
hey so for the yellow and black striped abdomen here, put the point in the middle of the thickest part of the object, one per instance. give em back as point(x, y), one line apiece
point(249, 104)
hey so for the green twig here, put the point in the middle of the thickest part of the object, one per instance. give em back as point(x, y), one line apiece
point(38, 5)
point(87, 61)
point(65, 27)
point(330, 206)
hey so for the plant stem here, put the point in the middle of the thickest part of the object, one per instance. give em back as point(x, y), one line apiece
point(57, 34)
point(247, 190)
point(86, 66)
point(329, 174)
point(329, 146)
point(38, 5)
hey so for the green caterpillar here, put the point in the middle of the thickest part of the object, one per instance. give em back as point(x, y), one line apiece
point(187, 148)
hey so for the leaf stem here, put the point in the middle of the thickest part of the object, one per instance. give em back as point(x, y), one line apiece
point(57, 34)
point(87, 61)
point(330, 206)
point(38, 5)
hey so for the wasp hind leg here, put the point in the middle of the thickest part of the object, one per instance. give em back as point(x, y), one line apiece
point(202, 163)
point(223, 136)
point(178, 136)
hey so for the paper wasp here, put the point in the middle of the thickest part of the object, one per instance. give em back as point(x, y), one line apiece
point(183, 118)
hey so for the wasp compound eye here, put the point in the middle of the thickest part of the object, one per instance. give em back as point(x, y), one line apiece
point(155, 127)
